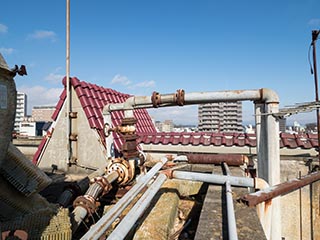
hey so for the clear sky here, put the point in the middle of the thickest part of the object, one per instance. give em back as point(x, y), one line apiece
point(138, 47)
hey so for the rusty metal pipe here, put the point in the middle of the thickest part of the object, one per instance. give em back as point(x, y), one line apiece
point(254, 199)
point(230, 159)
point(86, 204)
point(97, 230)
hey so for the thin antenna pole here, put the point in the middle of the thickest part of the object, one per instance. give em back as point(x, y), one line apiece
point(68, 95)
point(315, 35)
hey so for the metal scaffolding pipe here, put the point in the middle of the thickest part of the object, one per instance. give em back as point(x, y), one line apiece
point(97, 230)
point(214, 178)
point(232, 226)
point(137, 210)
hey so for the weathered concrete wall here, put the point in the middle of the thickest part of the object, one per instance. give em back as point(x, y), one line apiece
point(300, 209)
point(87, 149)
point(27, 146)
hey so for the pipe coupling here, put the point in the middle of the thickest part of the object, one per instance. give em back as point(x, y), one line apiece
point(103, 183)
point(87, 202)
point(124, 169)
point(156, 99)
point(180, 97)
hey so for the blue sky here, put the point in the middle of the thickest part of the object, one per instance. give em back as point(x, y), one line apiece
point(138, 47)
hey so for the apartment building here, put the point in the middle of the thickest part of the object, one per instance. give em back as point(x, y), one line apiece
point(21, 110)
point(165, 126)
point(43, 113)
point(220, 117)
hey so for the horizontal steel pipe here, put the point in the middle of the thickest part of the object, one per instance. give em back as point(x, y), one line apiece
point(263, 95)
point(137, 210)
point(214, 178)
point(266, 194)
point(230, 159)
point(97, 230)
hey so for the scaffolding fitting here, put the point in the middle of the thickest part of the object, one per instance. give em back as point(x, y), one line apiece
point(268, 194)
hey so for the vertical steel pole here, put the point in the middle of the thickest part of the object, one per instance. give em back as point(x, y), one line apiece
point(273, 162)
point(315, 34)
point(68, 95)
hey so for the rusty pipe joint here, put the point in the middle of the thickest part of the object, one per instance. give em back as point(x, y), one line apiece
point(103, 183)
point(269, 95)
point(124, 168)
point(180, 97)
point(87, 202)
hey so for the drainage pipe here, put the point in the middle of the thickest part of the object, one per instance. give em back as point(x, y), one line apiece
point(137, 210)
point(214, 178)
point(97, 230)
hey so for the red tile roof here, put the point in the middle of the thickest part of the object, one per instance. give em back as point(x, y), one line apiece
point(304, 141)
point(93, 98)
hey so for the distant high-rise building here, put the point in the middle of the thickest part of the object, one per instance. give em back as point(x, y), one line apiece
point(166, 126)
point(21, 110)
point(282, 124)
point(43, 113)
point(220, 117)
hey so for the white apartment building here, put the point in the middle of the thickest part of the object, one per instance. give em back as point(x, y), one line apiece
point(220, 117)
point(21, 110)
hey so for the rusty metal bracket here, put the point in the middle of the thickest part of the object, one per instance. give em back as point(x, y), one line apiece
point(73, 114)
point(73, 137)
